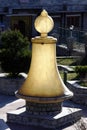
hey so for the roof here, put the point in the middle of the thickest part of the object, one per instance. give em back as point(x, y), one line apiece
point(21, 3)
point(49, 5)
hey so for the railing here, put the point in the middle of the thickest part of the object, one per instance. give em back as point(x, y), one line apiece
point(79, 40)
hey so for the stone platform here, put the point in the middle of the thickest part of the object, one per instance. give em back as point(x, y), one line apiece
point(21, 116)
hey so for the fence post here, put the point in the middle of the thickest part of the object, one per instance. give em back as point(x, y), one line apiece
point(65, 77)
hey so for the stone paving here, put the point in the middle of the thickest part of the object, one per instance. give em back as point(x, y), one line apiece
point(11, 103)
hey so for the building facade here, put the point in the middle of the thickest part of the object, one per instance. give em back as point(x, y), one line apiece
point(20, 14)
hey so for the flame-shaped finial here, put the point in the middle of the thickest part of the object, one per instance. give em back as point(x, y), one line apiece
point(44, 23)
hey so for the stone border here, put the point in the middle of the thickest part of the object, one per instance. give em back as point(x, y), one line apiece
point(80, 92)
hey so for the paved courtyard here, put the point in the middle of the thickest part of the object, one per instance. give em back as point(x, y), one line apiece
point(10, 103)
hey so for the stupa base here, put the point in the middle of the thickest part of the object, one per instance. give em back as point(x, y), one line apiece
point(21, 116)
point(43, 108)
point(56, 99)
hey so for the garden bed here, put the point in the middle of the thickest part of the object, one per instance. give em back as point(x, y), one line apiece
point(9, 85)
point(68, 60)
point(83, 83)
point(80, 92)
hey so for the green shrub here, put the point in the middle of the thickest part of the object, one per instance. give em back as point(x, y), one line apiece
point(81, 71)
point(84, 60)
point(83, 83)
point(15, 55)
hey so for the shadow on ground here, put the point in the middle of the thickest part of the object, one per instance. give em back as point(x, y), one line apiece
point(5, 99)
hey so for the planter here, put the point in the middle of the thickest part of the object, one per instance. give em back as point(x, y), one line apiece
point(9, 86)
point(80, 92)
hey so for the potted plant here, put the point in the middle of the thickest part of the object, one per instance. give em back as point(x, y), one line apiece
point(15, 57)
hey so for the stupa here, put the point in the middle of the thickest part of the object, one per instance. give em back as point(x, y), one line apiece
point(43, 89)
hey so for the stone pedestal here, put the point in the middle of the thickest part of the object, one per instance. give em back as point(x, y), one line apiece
point(21, 116)
point(43, 108)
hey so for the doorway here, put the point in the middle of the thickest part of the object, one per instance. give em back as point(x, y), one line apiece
point(21, 26)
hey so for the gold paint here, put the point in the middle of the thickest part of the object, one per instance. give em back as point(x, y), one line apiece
point(44, 23)
point(43, 78)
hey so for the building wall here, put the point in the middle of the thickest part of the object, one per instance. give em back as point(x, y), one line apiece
point(17, 3)
point(85, 22)
point(58, 9)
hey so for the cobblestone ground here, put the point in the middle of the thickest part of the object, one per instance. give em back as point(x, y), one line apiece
point(10, 103)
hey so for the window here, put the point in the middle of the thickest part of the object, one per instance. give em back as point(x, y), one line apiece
point(73, 20)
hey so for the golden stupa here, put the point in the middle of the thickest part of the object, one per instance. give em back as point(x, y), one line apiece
point(43, 83)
